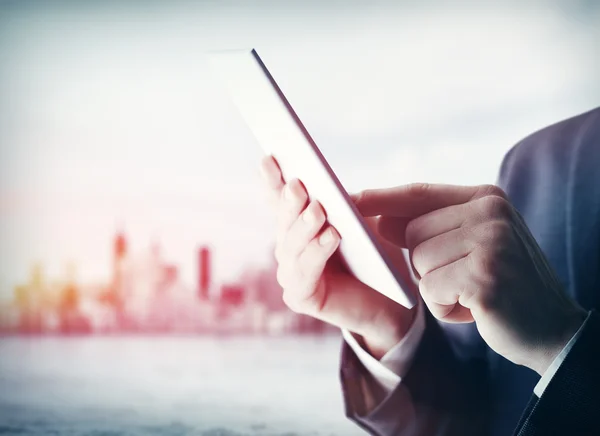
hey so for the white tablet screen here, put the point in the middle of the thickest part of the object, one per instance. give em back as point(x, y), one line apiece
point(280, 133)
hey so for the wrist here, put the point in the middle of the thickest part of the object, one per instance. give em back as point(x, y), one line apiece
point(387, 330)
point(556, 344)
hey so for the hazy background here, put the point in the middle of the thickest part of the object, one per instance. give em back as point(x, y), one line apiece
point(110, 118)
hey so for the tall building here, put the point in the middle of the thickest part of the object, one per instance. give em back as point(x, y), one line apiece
point(119, 254)
point(204, 273)
point(119, 271)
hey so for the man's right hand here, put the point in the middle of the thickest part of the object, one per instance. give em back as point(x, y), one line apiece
point(313, 279)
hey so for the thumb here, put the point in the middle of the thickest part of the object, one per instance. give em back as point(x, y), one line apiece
point(410, 201)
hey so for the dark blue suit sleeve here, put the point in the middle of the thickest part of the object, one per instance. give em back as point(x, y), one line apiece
point(443, 392)
point(570, 403)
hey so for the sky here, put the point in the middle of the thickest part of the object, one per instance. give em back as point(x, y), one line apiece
point(110, 117)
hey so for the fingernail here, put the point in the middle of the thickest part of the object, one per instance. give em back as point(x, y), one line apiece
point(309, 215)
point(326, 238)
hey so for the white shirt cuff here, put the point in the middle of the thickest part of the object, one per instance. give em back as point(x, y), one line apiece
point(540, 387)
point(394, 365)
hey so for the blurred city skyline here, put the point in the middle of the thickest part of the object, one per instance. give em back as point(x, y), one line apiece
point(111, 120)
point(145, 294)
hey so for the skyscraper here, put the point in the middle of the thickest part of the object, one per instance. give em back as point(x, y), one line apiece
point(203, 273)
point(116, 295)
point(119, 254)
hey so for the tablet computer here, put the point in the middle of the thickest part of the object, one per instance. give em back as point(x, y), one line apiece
point(280, 133)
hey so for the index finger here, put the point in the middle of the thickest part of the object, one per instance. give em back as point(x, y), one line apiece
point(409, 201)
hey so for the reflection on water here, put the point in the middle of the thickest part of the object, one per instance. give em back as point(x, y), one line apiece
point(171, 386)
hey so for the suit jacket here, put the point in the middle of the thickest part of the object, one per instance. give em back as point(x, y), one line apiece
point(456, 384)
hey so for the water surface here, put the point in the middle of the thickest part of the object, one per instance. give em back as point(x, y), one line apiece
point(171, 386)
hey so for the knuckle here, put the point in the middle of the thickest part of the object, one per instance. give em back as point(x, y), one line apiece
point(498, 232)
point(442, 312)
point(412, 229)
point(318, 212)
point(466, 293)
point(297, 193)
point(485, 266)
point(495, 206)
point(418, 259)
point(491, 190)
point(426, 286)
point(492, 236)
point(362, 196)
point(418, 189)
